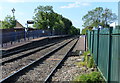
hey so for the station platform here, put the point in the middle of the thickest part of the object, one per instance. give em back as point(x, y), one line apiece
point(80, 46)
point(8, 47)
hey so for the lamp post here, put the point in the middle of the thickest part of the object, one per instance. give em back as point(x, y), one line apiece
point(13, 11)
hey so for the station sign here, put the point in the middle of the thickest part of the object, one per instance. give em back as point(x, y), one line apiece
point(30, 22)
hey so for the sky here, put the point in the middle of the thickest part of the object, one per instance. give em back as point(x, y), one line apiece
point(71, 9)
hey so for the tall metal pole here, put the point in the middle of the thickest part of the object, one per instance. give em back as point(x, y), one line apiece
point(13, 11)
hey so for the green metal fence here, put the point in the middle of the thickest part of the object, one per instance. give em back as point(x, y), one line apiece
point(105, 48)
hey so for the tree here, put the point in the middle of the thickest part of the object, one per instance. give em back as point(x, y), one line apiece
point(9, 22)
point(74, 31)
point(99, 16)
point(59, 25)
point(46, 18)
point(67, 24)
point(42, 17)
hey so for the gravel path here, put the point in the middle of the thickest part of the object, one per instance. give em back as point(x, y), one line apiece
point(12, 67)
point(39, 73)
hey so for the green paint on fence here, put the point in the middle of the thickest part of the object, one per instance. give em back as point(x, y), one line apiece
point(104, 46)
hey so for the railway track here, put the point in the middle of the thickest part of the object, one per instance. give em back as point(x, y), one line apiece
point(42, 62)
point(25, 53)
point(20, 61)
point(13, 69)
point(31, 46)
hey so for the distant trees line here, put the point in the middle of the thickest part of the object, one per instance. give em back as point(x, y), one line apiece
point(45, 18)
point(98, 17)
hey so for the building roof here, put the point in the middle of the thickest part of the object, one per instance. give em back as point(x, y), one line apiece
point(18, 25)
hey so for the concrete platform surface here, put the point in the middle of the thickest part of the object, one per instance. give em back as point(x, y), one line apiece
point(80, 46)
point(8, 45)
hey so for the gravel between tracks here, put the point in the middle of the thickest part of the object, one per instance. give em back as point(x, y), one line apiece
point(27, 51)
point(9, 68)
point(70, 70)
point(39, 73)
point(21, 53)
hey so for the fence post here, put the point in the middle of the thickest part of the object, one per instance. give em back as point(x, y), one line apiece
point(93, 41)
point(97, 45)
point(33, 34)
point(85, 40)
point(110, 49)
point(19, 36)
point(90, 41)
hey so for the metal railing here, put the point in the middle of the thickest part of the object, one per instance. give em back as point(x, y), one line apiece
point(21, 36)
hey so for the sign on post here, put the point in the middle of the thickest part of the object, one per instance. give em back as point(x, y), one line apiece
point(30, 22)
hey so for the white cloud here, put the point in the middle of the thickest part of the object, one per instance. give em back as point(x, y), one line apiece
point(75, 5)
point(85, 4)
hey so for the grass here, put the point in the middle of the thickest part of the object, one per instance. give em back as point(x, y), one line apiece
point(88, 61)
point(89, 78)
point(93, 76)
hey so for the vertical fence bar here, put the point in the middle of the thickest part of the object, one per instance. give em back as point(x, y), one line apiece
point(119, 52)
point(110, 50)
point(92, 40)
point(97, 46)
point(85, 41)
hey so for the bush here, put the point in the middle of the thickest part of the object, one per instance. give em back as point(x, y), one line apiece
point(88, 61)
point(89, 78)
point(91, 63)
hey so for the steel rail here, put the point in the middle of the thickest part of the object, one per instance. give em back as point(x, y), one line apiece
point(23, 69)
point(21, 50)
point(48, 79)
point(18, 51)
point(27, 54)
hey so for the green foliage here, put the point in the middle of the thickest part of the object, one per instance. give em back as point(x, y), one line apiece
point(9, 22)
point(81, 64)
point(43, 17)
point(84, 31)
point(74, 31)
point(99, 16)
point(46, 18)
point(91, 63)
point(89, 78)
point(86, 53)
point(88, 61)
